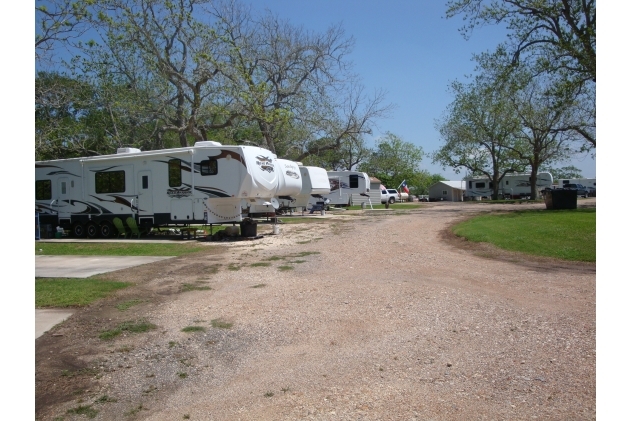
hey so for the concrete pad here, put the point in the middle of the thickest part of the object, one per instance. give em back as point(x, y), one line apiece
point(78, 267)
point(47, 318)
point(85, 266)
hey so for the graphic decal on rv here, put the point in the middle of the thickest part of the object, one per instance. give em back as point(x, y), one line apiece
point(230, 155)
point(117, 199)
point(265, 163)
point(179, 192)
point(292, 174)
point(60, 171)
point(335, 184)
point(212, 191)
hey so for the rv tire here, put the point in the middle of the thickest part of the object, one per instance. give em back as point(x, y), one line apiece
point(106, 229)
point(78, 230)
point(92, 230)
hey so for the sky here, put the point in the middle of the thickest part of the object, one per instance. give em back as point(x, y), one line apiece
point(411, 51)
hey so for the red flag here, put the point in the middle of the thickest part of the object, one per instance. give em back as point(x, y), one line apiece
point(405, 187)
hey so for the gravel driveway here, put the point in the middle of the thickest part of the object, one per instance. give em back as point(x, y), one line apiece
point(384, 316)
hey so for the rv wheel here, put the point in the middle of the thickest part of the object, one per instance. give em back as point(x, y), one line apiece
point(106, 229)
point(92, 230)
point(78, 230)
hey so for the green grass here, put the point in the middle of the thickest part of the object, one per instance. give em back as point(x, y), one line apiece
point(189, 329)
point(125, 305)
point(72, 292)
point(285, 267)
point(220, 324)
point(87, 410)
point(194, 287)
point(258, 264)
point(132, 327)
point(116, 249)
point(563, 234)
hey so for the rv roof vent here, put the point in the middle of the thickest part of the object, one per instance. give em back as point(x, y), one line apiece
point(127, 150)
point(207, 143)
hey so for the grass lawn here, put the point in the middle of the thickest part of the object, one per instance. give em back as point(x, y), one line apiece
point(116, 249)
point(72, 292)
point(563, 234)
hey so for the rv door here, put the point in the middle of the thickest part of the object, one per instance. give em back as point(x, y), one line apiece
point(144, 207)
point(63, 193)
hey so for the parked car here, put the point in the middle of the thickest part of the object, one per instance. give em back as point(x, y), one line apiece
point(591, 191)
point(423, 198)
point(581, 190)
point(389, 195)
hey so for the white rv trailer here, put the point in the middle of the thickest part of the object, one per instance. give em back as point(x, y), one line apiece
point(587, 182)
point(289, 184)
point(343, 185)
point(202, 184)
point(513, 185)
point(315, 183)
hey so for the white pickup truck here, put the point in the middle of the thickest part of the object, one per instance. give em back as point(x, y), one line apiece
point(391, 196)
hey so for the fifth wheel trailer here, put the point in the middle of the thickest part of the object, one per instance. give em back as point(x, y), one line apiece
point(512, 185)
point(343, 185)
point(202, 184)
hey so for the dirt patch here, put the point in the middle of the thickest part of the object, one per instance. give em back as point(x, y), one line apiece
point(381, 317)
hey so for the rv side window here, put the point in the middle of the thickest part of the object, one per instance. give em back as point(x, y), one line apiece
point(208, 167)
point(43, 190)
point(353, 180)
point(490, 184)
point(145, 182)
point(479, 185)
point(470, 184)
point(109, 182)
point(507, 182)
point(63, 187)
point(175, 173)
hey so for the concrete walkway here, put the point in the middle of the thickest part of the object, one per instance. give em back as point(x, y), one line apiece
point(77, 267)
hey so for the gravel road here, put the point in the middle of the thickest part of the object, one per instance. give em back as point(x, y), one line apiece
point(382, 316)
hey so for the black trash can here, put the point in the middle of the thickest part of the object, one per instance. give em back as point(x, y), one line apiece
point(248, 229)
point(560, 199)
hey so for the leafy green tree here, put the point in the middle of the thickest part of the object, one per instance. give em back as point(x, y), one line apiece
point(568, 172)
point(479, 131)
point(422, 181)
point(559, 35)
point(393, 161)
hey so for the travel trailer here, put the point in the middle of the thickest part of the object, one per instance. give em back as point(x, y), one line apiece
point(587, 182)
point(315, 184)
point(343, 185)
point(289, 184)
point(202, 184)
point(513, 185)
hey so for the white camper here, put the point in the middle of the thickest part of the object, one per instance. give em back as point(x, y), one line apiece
point(587, 182)
point(513, 185)
point(343, 185)
point(202, 184)
point(315, 183)
point(289, 185)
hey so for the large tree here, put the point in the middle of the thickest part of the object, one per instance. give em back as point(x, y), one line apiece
point(479, 130)
point(393, 161)
point(559, 34)
point(197, 70)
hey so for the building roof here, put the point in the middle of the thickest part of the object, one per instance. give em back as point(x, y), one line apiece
point(453, 184)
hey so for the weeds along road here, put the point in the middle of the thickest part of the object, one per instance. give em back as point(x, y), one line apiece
point(384, 316)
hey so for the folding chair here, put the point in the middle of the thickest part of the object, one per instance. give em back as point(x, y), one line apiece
point(118, 223)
